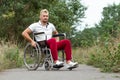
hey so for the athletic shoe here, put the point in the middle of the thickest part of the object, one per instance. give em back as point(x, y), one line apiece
point(58, 64)
point(71, 64)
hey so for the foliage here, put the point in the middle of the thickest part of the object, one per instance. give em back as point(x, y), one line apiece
point(12, 58)
point(105, 38)
point(107, 55)
point(16, 15)
point(110, 21)
point(108, 59)
point(108, 27)
point(85, 38)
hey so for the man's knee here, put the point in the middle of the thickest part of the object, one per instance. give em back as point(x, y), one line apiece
point(52, 41)
point(67, 41)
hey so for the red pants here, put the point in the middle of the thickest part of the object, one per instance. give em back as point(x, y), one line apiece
point(61, 45)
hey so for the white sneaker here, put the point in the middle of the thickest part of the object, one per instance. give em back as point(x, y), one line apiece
point(58, 64)
point(72, 64)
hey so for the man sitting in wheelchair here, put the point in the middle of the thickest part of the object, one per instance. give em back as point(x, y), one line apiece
point(53, 43)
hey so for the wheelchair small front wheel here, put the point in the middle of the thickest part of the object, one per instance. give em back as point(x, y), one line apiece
point(32, 56)
point(47, 65)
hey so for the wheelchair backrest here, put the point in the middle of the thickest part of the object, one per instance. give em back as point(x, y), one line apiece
point(42, 42)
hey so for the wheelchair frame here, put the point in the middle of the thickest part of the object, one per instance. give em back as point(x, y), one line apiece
point(38, 56)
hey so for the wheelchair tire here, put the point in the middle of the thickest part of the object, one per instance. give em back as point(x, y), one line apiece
point(32, 56)
point(47, 65)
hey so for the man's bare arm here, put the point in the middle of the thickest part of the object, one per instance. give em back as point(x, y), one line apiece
point(26, 34)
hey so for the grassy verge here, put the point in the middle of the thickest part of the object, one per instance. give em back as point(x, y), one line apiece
point(106, 58)
point(10, 56)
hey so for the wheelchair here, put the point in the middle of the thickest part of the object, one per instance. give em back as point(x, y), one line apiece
point(40, 55)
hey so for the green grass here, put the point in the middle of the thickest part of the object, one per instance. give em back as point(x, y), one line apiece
point(107, 58)
point(10, 56)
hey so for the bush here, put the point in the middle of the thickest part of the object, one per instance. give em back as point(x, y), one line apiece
point(108, 59)
point(9, 56)
point(12, 58)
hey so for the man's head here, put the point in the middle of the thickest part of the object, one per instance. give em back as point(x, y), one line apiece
point(44, 15)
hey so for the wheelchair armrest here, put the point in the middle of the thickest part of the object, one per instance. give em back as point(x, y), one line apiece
point(59, 35)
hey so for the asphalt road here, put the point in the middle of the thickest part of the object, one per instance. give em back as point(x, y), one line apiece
point(83, 72)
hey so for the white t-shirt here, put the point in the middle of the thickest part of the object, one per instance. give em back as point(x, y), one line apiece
point(48, 29)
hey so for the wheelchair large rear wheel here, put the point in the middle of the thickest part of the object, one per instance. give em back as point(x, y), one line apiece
point(32, 56)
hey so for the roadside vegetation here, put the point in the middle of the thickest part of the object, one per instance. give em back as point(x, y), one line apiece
point(98, 46)
point(106, 57)
point(10, 56)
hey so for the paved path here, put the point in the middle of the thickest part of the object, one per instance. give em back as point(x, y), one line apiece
point(83, 72)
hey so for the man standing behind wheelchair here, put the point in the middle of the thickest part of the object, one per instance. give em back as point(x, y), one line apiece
point(53, 43)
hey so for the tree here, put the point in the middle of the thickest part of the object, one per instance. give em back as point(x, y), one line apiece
point(16, 15)
point(85, 38)
point(110, 23)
